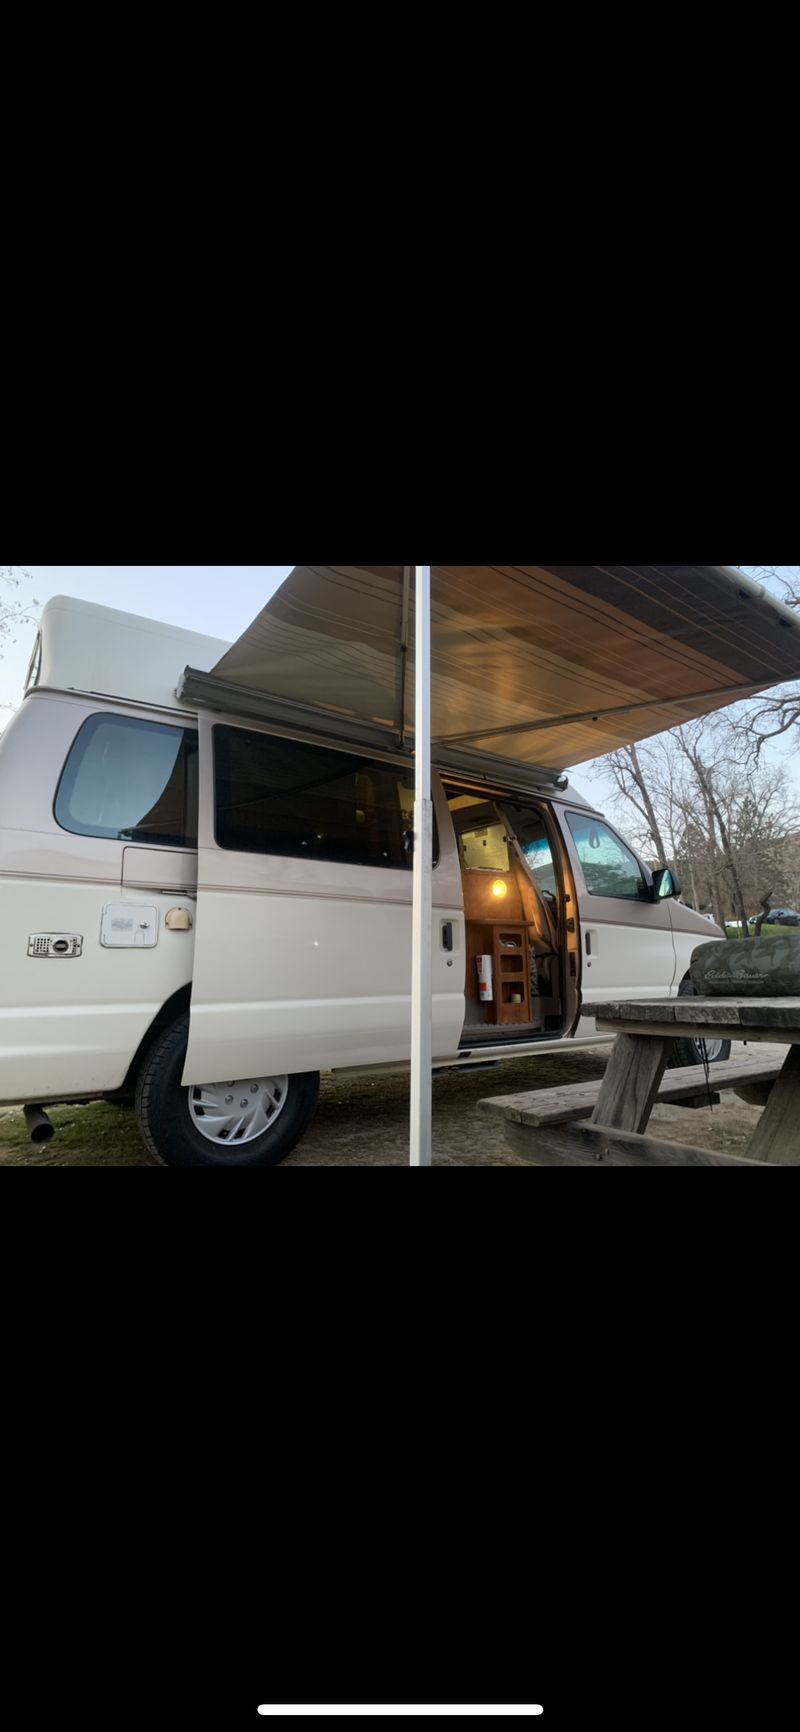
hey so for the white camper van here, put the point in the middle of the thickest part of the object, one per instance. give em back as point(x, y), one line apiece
point(202, 910)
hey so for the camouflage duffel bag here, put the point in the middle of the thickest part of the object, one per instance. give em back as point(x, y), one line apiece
point(748, 968)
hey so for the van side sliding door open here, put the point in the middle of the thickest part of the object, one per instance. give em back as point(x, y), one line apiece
point(303, 944)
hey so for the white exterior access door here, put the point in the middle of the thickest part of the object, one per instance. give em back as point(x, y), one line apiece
point(303, 937)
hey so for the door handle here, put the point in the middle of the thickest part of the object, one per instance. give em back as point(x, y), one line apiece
point(588, 944)
point(447, 934)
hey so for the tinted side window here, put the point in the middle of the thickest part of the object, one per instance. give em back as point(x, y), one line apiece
point(609, 868)
point(131, 781)
point(275, 796)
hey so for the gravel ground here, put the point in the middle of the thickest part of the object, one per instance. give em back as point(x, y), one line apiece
point(364, 1123)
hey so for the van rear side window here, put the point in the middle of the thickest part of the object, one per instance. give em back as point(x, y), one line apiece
point(131, 781)
point(284, 797)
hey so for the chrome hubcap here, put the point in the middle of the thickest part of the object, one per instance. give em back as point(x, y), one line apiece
point(712, 1049)
point(237, 1112)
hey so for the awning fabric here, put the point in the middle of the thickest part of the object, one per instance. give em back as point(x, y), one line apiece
point(550, 664)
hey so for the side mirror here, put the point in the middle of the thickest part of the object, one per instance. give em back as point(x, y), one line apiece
point(665, 883)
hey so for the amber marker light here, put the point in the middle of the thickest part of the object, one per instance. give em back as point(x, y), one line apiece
point(499, 888)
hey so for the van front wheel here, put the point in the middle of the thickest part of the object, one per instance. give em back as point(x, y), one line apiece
point(694, 1051)
point(254, 1122)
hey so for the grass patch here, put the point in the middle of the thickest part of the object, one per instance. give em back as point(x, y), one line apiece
point(766, 931)
point(97, 1135)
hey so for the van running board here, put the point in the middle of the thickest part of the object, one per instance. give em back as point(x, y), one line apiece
point(506, 1043)
point(485, 1064)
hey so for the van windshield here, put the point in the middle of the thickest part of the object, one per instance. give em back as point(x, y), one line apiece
point(539, 856)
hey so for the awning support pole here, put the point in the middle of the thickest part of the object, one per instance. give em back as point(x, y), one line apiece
point(405, 616)
point(422, 909)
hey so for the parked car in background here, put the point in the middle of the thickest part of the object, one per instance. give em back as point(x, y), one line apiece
point(782, 917)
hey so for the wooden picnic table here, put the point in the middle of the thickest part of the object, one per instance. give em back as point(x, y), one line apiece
point(645, 1029)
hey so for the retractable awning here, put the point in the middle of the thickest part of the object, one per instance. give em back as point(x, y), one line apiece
point(543, 664)
point(549, 664)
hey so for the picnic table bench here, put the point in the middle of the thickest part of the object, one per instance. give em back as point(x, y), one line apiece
point(605, 1122)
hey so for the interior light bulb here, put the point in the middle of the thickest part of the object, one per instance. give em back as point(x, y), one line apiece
point(499, 887)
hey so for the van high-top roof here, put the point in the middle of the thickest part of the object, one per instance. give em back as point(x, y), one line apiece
point(85, 647)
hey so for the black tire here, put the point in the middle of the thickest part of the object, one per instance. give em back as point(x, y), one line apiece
point(162, 1109)
point(691, 1051)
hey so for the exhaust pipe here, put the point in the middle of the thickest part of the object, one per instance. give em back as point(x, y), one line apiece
point(39, 1125)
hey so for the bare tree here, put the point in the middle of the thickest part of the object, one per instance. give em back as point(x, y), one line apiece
point(692, 798)
point(629, 774)
point(15, 602)
point(771, 717)
point(690, 742)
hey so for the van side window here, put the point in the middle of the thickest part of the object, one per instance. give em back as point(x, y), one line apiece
point(275, 796)
point(609, 868)
point(130, 781)
point(484, 849)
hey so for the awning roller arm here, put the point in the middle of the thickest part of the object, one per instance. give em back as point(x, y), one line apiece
point(732, 693)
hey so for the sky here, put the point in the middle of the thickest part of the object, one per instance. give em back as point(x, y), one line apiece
point(218, 600)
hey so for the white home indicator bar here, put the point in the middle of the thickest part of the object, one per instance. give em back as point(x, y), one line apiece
point(359, 1708)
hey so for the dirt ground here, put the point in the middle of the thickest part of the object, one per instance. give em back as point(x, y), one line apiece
point(364, 1123)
